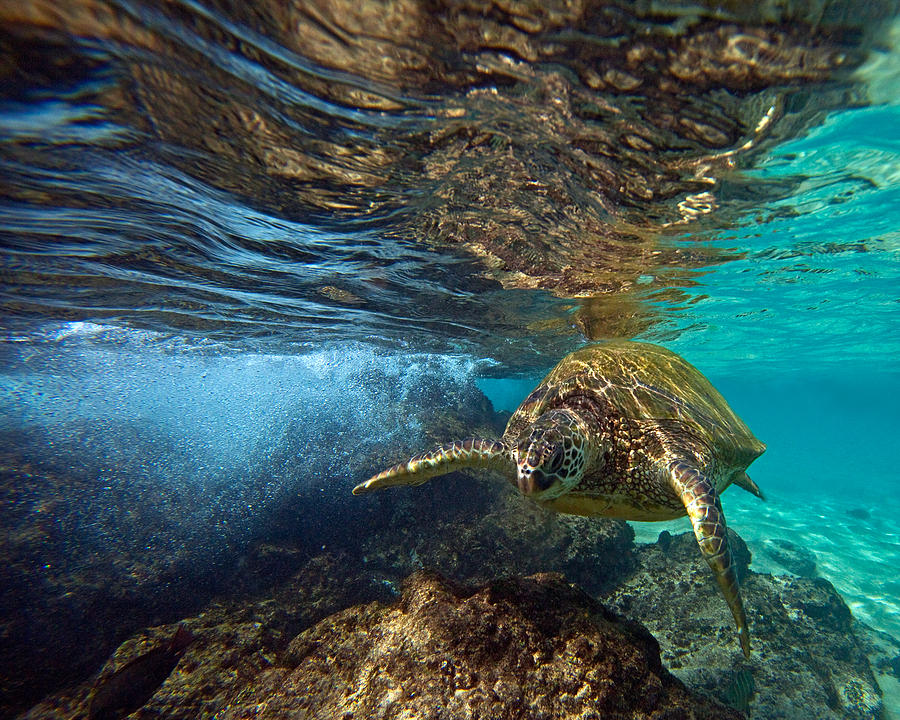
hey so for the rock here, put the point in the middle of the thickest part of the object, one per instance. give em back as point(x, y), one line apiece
point(792, 557)
point(234, 643)
point(532, 647)
point(536, 647)
point(883, 650)
point(227, 652)
point(807, 661)
point(475, 529)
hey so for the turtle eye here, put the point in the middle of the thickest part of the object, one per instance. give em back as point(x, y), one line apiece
point(555, 462)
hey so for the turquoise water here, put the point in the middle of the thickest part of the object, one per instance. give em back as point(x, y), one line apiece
point(241, 270)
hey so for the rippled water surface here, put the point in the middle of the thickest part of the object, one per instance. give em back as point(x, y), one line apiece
point(458, 177)
point(254, 239)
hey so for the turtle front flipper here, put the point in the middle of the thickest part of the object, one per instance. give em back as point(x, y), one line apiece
point(470, 453)
point(705, 511)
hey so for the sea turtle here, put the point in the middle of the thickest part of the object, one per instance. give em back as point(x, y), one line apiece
point(623, 429)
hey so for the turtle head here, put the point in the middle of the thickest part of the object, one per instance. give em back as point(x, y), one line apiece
point(551, 458)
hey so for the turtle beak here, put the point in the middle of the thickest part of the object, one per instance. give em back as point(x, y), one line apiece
point(531, 481)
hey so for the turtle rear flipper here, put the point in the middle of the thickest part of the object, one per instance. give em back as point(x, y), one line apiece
point(470, 453)
point(743, 481)
point(705, 511)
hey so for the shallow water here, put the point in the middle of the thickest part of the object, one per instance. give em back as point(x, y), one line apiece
point(250, 254)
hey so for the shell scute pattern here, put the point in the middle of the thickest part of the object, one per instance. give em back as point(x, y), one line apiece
point(647, 401)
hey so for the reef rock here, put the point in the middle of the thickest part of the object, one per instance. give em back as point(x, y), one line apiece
point(807, 659)
point(536, 647)
point(792, 557)
point(234, 642)
point(476, 529)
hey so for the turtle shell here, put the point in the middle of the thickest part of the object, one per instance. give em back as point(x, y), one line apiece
point(642, 382)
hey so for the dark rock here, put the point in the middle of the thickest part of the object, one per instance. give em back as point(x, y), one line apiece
point(820, 601)
point(807, 661)
point(476, 529)
point(234, 643)
point(792, 557)
point(536, 647)
point(664, 540)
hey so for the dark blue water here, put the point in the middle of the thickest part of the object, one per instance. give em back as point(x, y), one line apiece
point(247, 251)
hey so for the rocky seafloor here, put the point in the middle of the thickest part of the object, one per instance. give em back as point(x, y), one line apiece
point(346, 635)
point(456, 600)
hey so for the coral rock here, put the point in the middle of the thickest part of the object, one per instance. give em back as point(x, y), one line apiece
point(535, 647)
point(792, 557)
point(808, 659)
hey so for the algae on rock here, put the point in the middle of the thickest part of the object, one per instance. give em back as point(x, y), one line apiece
point(807, 658)
point(535, 647)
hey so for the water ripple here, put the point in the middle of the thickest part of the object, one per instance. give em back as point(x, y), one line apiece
point(503, 178)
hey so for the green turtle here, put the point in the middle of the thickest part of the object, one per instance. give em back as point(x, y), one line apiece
point(622, 429)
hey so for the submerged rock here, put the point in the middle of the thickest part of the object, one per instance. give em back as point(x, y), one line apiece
point(807, 660)
point(234, 642)
point(792, 557)
point(534, 647)
point(883, 650)
point(476, 529)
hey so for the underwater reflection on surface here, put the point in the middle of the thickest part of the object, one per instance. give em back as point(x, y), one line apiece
point(441, 173)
